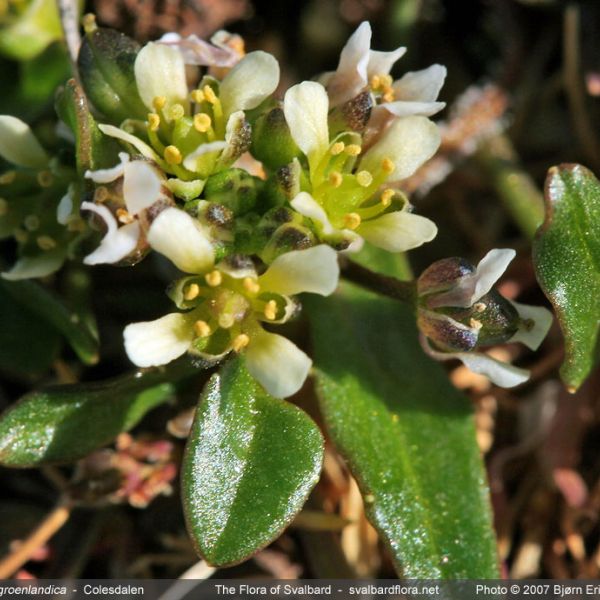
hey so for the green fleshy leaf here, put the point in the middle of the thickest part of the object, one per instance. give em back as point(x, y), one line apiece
point(250, 463)
point(64, 423)
point(51, 310)
point(28, 345)
point(566, 255)
point(407, 435)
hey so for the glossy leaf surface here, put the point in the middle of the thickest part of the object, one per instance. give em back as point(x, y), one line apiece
point(66, 422)
point(407, 435)
point(251, 461)
point(566, 255)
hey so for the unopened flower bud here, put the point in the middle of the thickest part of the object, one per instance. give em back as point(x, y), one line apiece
point(272, 142)
point(234, 188)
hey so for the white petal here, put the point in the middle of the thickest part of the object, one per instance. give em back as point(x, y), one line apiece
point(408, 143)
point(196, 51)
point(306, 205)
point(403, 108)
point(276, 363)
point(181, 239)
point(19, 146)
point(138, 144)
point(421, 86)
point(472, 287)
point(108, 175)
point(160, 71)
point(502, 374)
point(65, 207)
point(118, 242)
point(189, 162)
point(350, 76)
point(250, 82)
point(314, 270)
point(305, 107)
point(155, 343)
point(542, 321)
point(30, 267)
point(142, 186)
point(381, 63)
point(398, 231)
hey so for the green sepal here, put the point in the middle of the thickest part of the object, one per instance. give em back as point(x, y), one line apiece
point(272, 141)
point(106, 66)
point(93, 150)
point(234, 188)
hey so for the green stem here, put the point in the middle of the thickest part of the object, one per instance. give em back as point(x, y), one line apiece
point(517, 190)
point(405, 291)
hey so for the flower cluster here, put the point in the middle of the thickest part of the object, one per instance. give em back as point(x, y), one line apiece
point(251, 197)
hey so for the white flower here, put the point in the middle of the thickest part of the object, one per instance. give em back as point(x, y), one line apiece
point(467, 291)
point(346, 198)
point(219, 133)
point(226, 304)
point(143, 187)
point(414, 94)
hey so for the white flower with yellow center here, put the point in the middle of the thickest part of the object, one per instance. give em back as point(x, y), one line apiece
point(228, 303)
point(192, 134)
point(360, 67)
point(348, 197)
point(144, 188)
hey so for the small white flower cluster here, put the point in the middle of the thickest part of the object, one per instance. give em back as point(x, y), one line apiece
point(342, 192)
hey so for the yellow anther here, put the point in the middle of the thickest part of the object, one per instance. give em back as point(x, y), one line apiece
point(153, 121)
point(475, 324)
point(31, 222)
point(89, 23)
point(214, 278)
point(159, 103)
point(197, 96)
point(3, 206)
point(201, 328)
point(387, 196)
point(192, 292)
point(375, 82)
point(388, 95)
point(45, 242)
point(202, 122)
point(209, 94)
point(388, 165)
point(176, 112)
point(101, 194)
point(45, 179)
point(364, 178)
point(479, 307)
point(76, 223)
point(240, 342)
point(386, 81)
point(8, 177)
point(353, 149)
point(20, 235)
point(352, 220)
point(337, 148)
point(270, 310)
point(251, 285)
point(335, 179)
point(173, 155)
point(226, 320)
point(124, 217)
